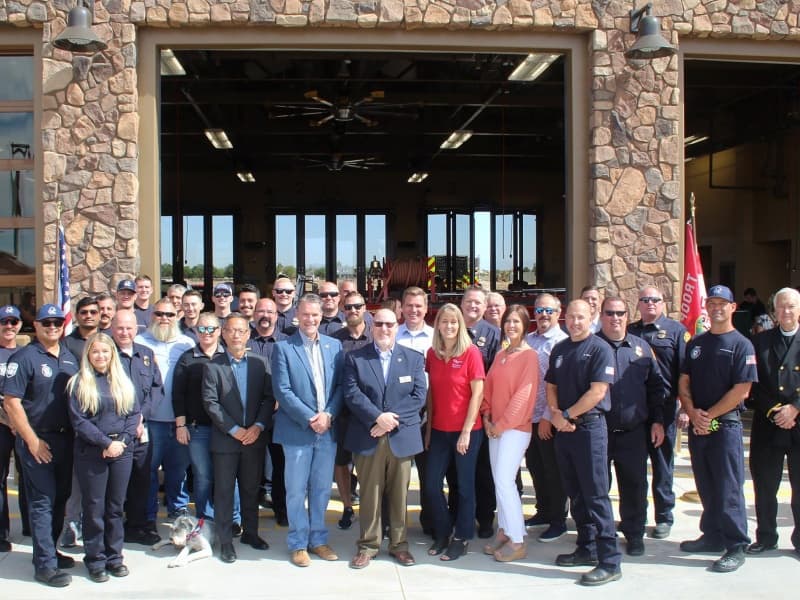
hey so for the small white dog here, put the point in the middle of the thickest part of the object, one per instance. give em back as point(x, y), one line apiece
point(193, 537)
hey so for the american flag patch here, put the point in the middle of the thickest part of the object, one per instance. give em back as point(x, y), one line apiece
point(610, 371)
point(750, 359)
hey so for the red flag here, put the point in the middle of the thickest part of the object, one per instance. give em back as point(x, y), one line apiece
point(693, 293)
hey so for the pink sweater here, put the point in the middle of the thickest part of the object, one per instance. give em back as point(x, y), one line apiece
point(509, 392)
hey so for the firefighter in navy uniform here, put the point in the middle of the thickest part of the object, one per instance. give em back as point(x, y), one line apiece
point(36, 404)
point(776, 433)
point(668, 339)
point(719, 370)
point(580, 372)
point(635, 420)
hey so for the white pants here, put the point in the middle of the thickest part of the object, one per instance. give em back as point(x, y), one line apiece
point(505, 455)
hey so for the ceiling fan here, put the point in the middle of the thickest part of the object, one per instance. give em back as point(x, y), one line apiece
point(338, 161)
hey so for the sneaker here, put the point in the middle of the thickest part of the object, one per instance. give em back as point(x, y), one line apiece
point(70, 536)
point(553, 533)
point(347, 518)
point(537, 520)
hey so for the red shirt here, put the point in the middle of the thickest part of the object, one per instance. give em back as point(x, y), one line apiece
point(450, 387)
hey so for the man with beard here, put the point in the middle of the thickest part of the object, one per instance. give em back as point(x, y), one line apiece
point(248, 296)
point(107, 306)
point(192, 304)
point(166, 341)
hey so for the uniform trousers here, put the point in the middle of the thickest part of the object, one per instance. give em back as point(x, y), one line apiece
point(662, 462)
point(505, 454)
point(6, 445)
point(540, 458)
point(627, 450)
point(103, 483)
point(138, 486)
point(379, 473)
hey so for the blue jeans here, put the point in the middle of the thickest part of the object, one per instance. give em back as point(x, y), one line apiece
point(175, 459)
point(441, 452)
point(308, 469)
point(203, 473)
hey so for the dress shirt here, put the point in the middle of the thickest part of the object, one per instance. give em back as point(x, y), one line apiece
point(314, 354)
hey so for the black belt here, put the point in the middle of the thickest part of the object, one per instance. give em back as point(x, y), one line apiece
point(730, 417)
point(113, 436)
point(54, 430)
point(583, 419)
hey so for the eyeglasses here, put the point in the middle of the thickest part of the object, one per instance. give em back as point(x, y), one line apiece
point(615, 313)
point(13, 322)
point(328, 294)
point(222, 295)
point(52, 323)
point(161, 314)
point(209, 329)
point(88, 311)
point(284, 291)
point(388, 324)
point(650, 299)
point(358, 306)
point(234, 331)
point(544, 309)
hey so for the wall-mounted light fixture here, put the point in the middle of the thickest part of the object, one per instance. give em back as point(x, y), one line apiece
point(78, 35)
point(649, 41)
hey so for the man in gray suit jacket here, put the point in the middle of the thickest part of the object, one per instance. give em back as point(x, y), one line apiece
point(306, 373)
point(384, 388)
point(237, 395)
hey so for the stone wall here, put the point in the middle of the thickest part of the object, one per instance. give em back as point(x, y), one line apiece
point(90, 124)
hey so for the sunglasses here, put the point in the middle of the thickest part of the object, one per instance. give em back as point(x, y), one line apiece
point(358, 306)
point(161, 314)
point(88, 311)
point(284, 291)
point(650, 299)
point(544, 310)
point(328, 294)
point(52, 322)
point(13, 322)
point(615, 313)
point(222, 295)
point(388, 324)
point(209, 329)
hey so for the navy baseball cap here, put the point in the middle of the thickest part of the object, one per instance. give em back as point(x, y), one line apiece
point(721, 292)
point(49, 311)
point(126, 284)
point(223, 288)
point(9, 312)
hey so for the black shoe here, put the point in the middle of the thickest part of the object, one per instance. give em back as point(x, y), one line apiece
point(5, 546)
point(576, 559)
point(141, 536)
point(730, 561)
point(760, 547)
point(599, 576)
point(53, 578)
point(635, 547)
point(254, 541)
point(661, 531)
point(236, 530)
point(537, 520)
point(281, 519)
point(701, 545)
point(181, 512)
point(119, 570)
point(64, 561)
point(227, 554)
point(98, 575)
point(346, 522)
point(485, 530)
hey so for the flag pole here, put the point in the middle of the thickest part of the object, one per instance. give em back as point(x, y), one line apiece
point(56, 283)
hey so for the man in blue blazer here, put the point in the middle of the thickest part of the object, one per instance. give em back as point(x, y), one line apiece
point(384, 388)
point(306, 378)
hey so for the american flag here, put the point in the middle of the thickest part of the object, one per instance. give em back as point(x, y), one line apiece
point(62, 285)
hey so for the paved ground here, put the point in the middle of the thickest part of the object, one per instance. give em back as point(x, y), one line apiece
point(663, 572)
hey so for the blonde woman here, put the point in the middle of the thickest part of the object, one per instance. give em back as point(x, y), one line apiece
point(453, 433)
point(105, 417)
point(507, 408)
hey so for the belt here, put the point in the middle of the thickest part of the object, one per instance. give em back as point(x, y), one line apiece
point(54, 430)
point(625, 429)
point(113, 436)
point(730, 417)
point(583, 419)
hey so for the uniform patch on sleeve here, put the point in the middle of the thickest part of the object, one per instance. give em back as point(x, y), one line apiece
point(750, 359)
point(610, 371)
point(11, 369)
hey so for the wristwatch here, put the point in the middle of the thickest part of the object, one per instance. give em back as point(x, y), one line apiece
point(565, 414)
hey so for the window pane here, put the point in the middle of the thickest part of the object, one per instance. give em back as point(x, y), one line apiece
point(286, 246)
point(24, 298)
point(222, 247)
point(437, 235)
point(375, 242)
point(483, 247)
point(17, 253)
point(528, 259)
point(16, 77)
point(504, 242)
point(193, 245)
point(462, 267)
point(315, 246)
point(166, 248)
point(346, 247)
point(16, 135)
point(16, 194)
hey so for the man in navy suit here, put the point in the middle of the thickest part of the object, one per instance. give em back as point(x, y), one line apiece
point(306, 379)
point(384, 388)
point(237, 395)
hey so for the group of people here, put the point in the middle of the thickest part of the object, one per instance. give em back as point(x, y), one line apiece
point(321, 386)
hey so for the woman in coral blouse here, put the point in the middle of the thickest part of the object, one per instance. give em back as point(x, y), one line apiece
point(507, 408)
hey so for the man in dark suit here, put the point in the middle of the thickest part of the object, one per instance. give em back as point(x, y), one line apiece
point(306, 371)
point(384, 388)
point(776, 433)
point(237, 395)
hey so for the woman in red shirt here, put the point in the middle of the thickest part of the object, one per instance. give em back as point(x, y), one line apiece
point(507, 408)
point(455, 388)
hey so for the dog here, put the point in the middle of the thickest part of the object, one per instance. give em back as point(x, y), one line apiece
point(193, 537)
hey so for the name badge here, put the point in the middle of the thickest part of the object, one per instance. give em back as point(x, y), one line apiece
point(405, 379)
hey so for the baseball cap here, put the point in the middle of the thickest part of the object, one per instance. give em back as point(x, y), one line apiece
point(722, 292)
point(8, 311)
point(49, 311)
point(223, 287)
point(126, 284)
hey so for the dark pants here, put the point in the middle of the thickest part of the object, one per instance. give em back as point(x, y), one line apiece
point(585, 478)
point(245, 467)
point(22, 496)
point(103, 483)
point(425, 518)
point(628, 452)
point(139, 484)
point(718, 466)
point(551, 501)
point(662, 462)
point(766, 466)
point(441, 452)
point(278, 483)
point(6, 446)
point(485, 500)
point(47, 486)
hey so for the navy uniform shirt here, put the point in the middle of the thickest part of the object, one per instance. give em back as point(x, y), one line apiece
point(105, 426)
point(143, 316)
point(141, 367)
point(188, 331)
point(286, 322)
point(574, 366)
point(350, 343)
point(668, 338)
point(39, 379)
point(487, 338)
point(5, 354)
point(330, 325)
point(717, 362)
point(75, 342)
point(264, 344)
point(638, 391)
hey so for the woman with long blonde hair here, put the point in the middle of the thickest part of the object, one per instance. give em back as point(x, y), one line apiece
point(105, 416)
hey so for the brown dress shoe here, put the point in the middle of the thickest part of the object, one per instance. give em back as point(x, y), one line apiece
point(404, 558)
point(300, 558)
point(325, 552)
point(360, 560)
